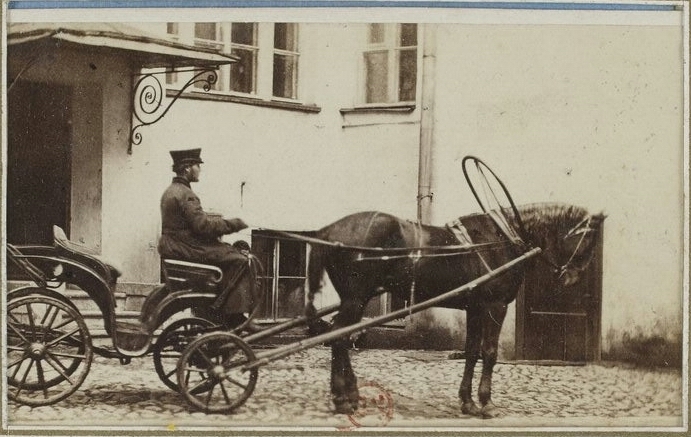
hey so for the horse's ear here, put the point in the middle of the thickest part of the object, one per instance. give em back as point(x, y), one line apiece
point(600, 216)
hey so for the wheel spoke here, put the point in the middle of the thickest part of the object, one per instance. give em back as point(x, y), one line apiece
point(62, 337)
point(58, 367)
point(16, 320)
point(239, 384)
point(16, 331)
point(66, 321)
point(14, 363)
point(209, 395)
point(41, 378)
point(225, 393)
point(67, 355)
point(26, 374)
point(205, 357)
point(15, 348)
point(201, 384)
point(47, 324)
point(32, 324)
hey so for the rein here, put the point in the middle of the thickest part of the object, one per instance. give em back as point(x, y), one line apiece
point(575, 230)
point(392, 252)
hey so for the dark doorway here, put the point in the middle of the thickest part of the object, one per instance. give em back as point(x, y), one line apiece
point(560, 324)
point(38, 161)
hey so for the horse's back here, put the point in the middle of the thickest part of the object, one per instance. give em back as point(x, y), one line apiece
point(364, 229)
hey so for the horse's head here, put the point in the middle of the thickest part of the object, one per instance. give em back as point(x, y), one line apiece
point(568, 236)
point(579, 246)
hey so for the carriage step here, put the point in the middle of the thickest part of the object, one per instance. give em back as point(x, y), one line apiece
point(94, 320)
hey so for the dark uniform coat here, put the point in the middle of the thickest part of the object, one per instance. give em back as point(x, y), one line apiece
point(190, 234)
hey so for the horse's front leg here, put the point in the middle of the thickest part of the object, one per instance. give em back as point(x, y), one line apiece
point(344, 390)
point(492, 320)
point(472, 354)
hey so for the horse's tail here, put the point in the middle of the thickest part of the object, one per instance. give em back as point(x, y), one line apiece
point(315, 272)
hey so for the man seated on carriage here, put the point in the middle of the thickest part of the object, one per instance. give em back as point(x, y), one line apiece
point(190, 234)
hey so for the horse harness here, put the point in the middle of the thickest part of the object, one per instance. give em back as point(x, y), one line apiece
point(582, 228)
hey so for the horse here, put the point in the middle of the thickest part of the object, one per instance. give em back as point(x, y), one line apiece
point(374, 252)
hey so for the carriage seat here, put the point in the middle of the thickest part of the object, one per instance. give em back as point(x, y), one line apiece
point(86, 255)
point(184, 274)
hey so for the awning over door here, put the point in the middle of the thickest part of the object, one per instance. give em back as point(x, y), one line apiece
point(143, 52)
point(146, 51)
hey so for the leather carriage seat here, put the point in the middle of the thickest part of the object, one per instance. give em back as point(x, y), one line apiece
point(184, 274)
point(86, 254)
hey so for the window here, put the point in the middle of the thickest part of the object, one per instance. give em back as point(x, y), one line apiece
point(267, 66)
point(390, 63)
point(209, 35)
point(285, 269)
point(285, 60)
point(243, 43)
point(173, 31)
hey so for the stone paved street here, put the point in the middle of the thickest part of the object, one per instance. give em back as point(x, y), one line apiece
point(423, 387)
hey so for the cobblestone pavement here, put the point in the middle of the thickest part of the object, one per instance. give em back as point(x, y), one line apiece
point(422, 386)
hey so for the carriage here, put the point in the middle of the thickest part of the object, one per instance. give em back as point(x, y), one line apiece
point(213, 365)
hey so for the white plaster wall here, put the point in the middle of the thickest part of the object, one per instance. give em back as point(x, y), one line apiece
point(300, 170)
point(589, 115)
point(129, 215)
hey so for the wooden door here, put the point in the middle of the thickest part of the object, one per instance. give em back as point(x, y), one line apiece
point(38, 161)
point(557, 323)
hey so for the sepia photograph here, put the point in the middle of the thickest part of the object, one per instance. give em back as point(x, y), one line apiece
point(326, 217)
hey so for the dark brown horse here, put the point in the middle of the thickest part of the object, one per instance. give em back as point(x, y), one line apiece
point(566, 235)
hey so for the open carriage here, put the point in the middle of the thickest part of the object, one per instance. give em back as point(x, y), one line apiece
point(213, 365)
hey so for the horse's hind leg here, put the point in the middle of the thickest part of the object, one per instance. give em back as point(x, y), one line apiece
point(472, 354)
point(492, 320)
point(344, 391)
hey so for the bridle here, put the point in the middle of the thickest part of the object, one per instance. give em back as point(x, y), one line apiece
point(582, 228)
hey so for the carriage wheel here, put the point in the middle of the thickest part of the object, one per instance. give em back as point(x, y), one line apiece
point(49, 350)
point(210, 373)
point(171, 342)
point(36, 291)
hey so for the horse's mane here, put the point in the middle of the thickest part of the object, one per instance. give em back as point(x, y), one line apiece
point(549, 219)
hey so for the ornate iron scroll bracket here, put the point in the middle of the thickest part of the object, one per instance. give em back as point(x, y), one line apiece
point(148, 98)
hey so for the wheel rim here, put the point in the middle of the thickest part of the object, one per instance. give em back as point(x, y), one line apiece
point(210, 374)
point(49, 350)
point(169, 346)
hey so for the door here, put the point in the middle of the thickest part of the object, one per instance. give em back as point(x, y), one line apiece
point(560, 323)
point(38, 161)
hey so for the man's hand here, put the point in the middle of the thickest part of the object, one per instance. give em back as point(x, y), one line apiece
point(236, 224)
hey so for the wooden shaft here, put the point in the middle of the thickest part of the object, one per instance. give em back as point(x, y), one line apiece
point(289, 324)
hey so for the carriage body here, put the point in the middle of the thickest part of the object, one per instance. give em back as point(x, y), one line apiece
point(50, 348)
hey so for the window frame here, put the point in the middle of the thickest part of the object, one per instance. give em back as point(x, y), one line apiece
point(391, 45)
point(264, 51)
point(272, 275)
point(291, 54)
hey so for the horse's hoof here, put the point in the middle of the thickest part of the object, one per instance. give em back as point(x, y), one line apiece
point(490, 411)
point(343, 408)
point(354, 402)
point(470, 408)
